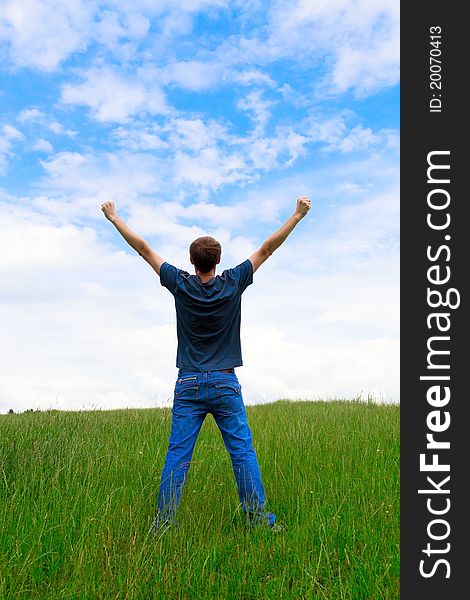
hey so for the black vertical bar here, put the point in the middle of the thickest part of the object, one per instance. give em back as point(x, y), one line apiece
point(434, 548)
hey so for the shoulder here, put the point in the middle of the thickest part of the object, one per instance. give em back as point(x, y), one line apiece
point(242, 273)
point(243, 268)
point(169, 275)
point(168, 267)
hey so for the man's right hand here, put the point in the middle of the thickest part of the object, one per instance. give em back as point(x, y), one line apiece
point(303, 206)
point(109, 210)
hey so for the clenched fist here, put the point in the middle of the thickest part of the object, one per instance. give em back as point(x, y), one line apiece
point(303, 206)
point(109, 210)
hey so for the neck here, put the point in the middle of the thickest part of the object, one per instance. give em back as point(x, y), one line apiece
point(205, 276)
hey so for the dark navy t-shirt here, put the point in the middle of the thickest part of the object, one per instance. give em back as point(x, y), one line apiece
point(208, 316)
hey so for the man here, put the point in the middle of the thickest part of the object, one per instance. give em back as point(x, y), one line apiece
point(208, 309)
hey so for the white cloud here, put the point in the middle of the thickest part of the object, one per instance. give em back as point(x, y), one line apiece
point(68, 296)
point(80, 181)
point(188, 159)
point(210, 168)
point(8, 136)
point(30, 115)
point(315, 371)
point(113, 26)
point(112, 97)
point(205, 155)
point(30, 242)
point(140, 139)
point(267, 153)
point(359, 138)
point(58, 129)
point(330, 130)
point(172, 222)
point(156, 7)
point(77, 181)
point(11, 133)
point(368, 69)
point(253, 76)
point(42, 145)
point(258, 108)
point(195, 134)
point(35, 117)
point(41, 33)
point(360, 39)
point(193, 75)
point(337, 135)
point(208, 155)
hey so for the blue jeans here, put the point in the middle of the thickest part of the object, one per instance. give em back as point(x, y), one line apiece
point(218, 393)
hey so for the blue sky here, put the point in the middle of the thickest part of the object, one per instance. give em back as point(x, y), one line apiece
point(197, 117)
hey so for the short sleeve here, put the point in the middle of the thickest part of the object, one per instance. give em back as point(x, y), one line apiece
point(168, 276)
point(243, 273)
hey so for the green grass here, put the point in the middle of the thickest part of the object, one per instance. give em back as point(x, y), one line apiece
point(78, 493)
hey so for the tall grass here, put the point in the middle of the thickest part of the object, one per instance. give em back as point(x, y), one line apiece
point(78, 493)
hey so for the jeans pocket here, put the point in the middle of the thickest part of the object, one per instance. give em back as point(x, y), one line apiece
point(187, 388)
point(227, 388)
point(229, 398)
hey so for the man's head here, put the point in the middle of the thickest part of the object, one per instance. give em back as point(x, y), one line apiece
point(204, 253)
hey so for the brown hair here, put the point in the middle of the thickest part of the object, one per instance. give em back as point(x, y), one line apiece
point(205, 253)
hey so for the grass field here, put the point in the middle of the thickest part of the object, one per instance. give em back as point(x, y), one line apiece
point(78, 493)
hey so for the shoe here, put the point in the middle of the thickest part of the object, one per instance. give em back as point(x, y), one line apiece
point(278, 527)
point(161, 526)
point(259, 519)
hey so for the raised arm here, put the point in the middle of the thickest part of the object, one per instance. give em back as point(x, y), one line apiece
point(134, 240)
point(276, 239)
